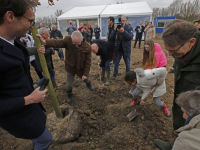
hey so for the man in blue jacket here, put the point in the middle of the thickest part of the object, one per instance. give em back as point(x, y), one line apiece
point(97, 31)
point(21, 111)
point(122, 44)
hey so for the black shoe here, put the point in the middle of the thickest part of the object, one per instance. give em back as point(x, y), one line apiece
point(163, 145)
point(171, 71)
point(90, 87)
point(133, 46)
point(69, 96)
point(114, 76)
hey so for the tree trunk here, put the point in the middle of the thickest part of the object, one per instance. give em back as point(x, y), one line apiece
point(46, 75)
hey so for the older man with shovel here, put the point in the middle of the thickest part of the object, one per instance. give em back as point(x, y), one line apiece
point(105, 51)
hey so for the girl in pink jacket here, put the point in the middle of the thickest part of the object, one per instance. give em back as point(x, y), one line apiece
point(153, 55)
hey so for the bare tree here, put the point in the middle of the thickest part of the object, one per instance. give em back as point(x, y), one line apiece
point(58, 12)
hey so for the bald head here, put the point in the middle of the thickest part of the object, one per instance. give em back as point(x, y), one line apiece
point(77, 38)
point(95, 48)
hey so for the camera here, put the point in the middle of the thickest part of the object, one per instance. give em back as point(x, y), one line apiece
point(70, 23)
point(119, 23)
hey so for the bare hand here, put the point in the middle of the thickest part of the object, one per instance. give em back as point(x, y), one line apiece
point(121, 30)
point(52, 38)
point(41, 40)
point(36, 96)
point(115, 27)
point(42, 49)
point(57, 37)
point(83, 78)
point(142, 102)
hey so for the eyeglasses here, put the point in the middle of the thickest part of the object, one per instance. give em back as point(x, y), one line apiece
point(174, 51)
point(32, 22)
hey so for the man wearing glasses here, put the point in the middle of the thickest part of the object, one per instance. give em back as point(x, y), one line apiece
point(122, 45)
point(77, 58)
point(182, 40)
point(21, 111)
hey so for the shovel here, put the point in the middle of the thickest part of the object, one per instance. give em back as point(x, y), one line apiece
point(101, 85)
point(134, 113)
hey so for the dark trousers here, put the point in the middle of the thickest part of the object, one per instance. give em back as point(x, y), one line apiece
point(97, 37)
point(39, 73)
point(138, 37)
point(178, 120)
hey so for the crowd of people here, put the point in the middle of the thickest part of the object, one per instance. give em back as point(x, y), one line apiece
point(21, 111)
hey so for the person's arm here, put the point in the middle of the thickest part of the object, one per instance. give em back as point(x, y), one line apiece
point(67, 29)
point(14, 105)
point(128, 35)
point(145, 30)
point(154, 33)
point(60, 35)
point(33, 50)
point(99, 29)
point(74, 28)
point(88, 32)
point(136, 29)
point(87, 63)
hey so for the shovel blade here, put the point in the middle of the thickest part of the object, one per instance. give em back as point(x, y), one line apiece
point(132, 115)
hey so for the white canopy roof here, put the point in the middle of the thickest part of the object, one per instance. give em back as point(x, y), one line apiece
point(83, 12)
point(128, 9)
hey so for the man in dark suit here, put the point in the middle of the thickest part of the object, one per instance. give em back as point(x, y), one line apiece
point(139, 31)
point(21, 113)
point(97, 31)
point(105, 51)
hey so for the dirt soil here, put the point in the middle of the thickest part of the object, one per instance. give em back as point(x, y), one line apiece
point(105, 122)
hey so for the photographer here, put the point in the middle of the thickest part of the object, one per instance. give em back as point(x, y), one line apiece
point(86, 33)
point(56, 34)
point(71, 28)
point(123, 34)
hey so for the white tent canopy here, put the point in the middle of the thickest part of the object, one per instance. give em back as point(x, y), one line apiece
point(128, 9)
point(83, 12)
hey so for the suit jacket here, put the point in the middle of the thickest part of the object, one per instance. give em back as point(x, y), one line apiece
point(97, 31)
point(105, 50)
point(15, 83)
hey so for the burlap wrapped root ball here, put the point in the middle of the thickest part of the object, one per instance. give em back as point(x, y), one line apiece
point(65, 129)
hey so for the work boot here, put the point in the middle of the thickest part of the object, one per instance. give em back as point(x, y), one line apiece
point(114, 76)
point(90, 87)
point(166, 109)
point(107, 77)
point(69, 96)
point(54, 84)
point(133, 102)
point(163, 145)
point(103, 73)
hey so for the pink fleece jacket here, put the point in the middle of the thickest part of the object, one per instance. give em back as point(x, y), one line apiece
point(161, 59)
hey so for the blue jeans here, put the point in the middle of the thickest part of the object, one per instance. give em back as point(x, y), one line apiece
point(118, 57)
point(43, 141)
point(52, 76)
point(60, 53)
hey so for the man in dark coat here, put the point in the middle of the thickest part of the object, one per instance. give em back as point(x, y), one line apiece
point(56, 34)
point(105, 51)
point(182, 40)
point(97, 31)
point(122, 45)
point(21, 113)
point(78, 59)
point(139, 31)
point(110, 29)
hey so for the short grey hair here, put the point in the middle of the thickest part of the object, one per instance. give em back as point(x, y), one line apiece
point(189, 102)
point(179, 32)
point(76, 35)
point(123, 16)
point(42, 30)
point(53, 25)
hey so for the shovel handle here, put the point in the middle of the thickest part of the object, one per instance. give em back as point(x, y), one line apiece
point(150, 93)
